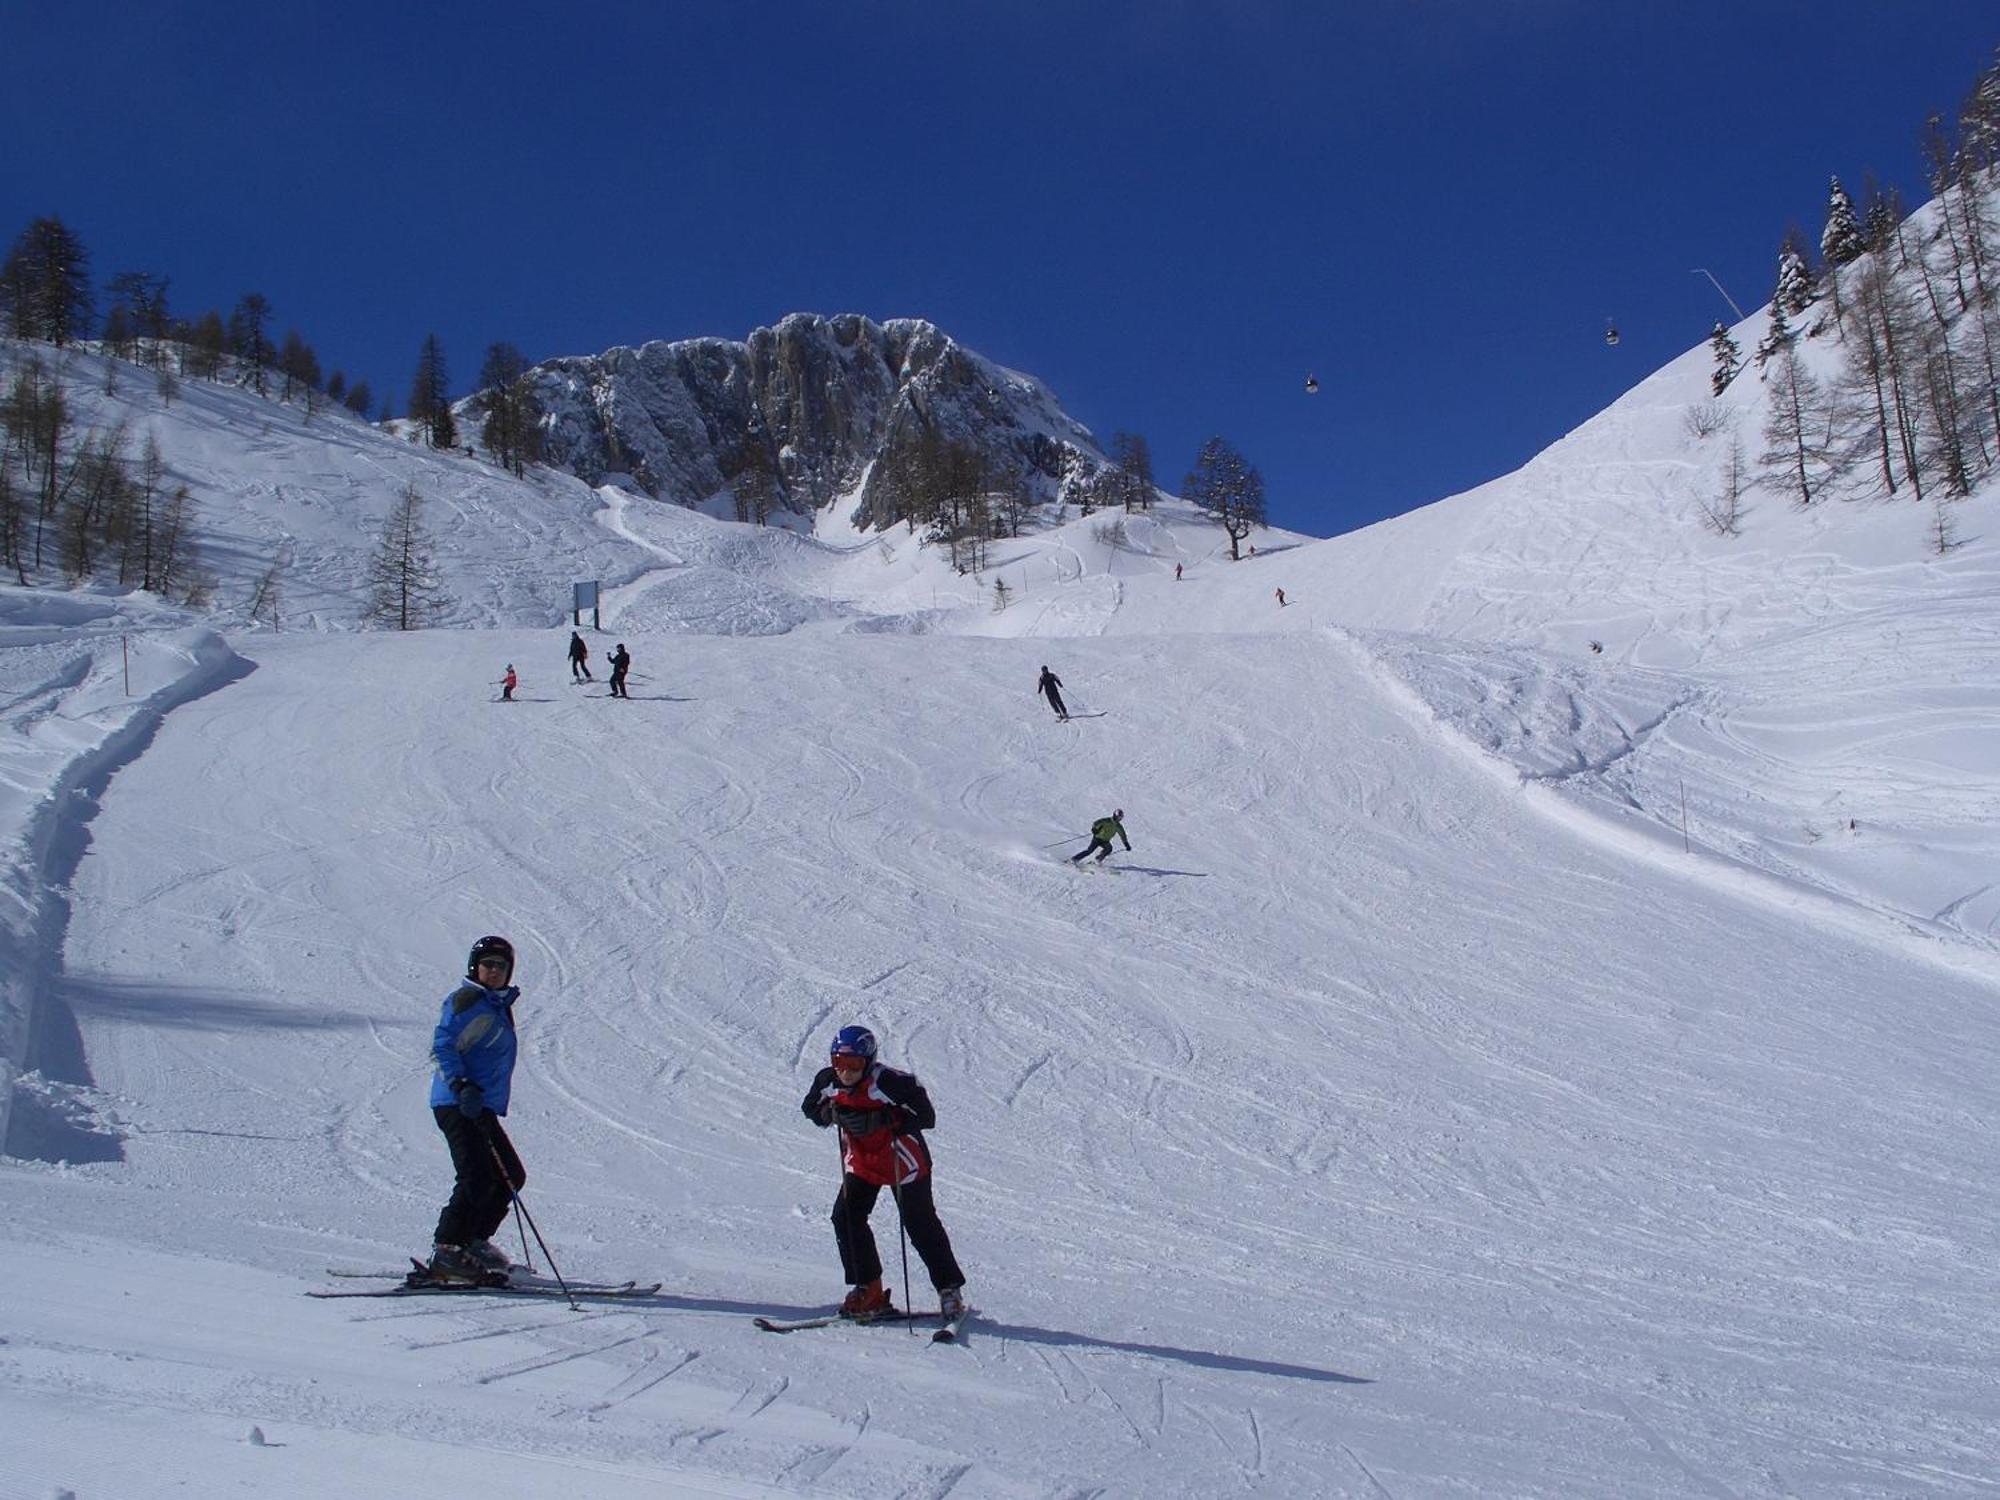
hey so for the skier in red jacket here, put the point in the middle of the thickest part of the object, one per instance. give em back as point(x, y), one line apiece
point(882, 1113)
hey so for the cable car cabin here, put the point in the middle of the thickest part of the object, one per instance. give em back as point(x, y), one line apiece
point(1311, 385)
point(1610, 336)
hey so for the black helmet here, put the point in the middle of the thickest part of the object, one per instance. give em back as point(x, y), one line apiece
point(1117, 812)
point(489, 947)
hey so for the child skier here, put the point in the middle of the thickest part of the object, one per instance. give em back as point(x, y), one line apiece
point(579, 659)
point(508, 684)
point(621, 663)
point(473, 1048)
point(881, 1113)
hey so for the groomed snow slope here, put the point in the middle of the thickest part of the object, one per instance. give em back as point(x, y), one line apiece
point(1369, 1133)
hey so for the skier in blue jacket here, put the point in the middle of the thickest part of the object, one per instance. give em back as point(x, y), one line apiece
point(474, 1049)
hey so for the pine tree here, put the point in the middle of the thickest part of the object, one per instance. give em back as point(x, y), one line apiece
point(430, 395)
point(1795, 459)
point(118, 334)
point(1979, 120)
point(403, 590)
point(267, 599)
point(1728, 358)
point(1841, 242)
point(135, 558)
point(1881, 219)
point(512, 430)
point(13, 521)
point(176, 555)
point(299, 365)
point(144, 299)
point(45, 285)
point(207, 346)
point(250, 339)
point(1880, 380)
point(1724, 514)
point(755, 483)
point(1794, 290)
point(1777, 336)
point(1134, 458)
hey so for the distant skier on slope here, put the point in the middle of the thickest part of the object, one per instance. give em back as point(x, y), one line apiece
point(508, 684)
point(1050, 686)
point(473, 1048)
point(1101, 834)
point(621, 663)
point(579, 659)
point(881, 1112)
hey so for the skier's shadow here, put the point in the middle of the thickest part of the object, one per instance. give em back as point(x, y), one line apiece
point(1153, 870)
point(1202, 1357)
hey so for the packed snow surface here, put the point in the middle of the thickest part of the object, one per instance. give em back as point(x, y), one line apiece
point(1500, 1067)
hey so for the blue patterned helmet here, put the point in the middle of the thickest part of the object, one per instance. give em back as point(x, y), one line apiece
point(853, 1041)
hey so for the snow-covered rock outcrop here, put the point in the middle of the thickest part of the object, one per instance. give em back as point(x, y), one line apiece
point(824, 406)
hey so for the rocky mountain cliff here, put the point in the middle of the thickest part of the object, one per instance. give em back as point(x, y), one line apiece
point(798, 415)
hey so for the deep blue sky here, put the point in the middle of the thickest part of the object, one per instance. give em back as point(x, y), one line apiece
point(1170, 211)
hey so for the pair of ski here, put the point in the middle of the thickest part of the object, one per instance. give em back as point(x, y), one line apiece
point(418, 1282)
point(947, 1333)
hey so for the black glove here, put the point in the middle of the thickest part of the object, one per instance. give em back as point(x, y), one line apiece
point(823, 1116)
point(471, 1102)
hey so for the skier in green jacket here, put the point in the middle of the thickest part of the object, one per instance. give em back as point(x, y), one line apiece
point(1101, 834)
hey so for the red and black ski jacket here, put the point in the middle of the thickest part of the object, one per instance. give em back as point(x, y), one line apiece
point(882, 1117)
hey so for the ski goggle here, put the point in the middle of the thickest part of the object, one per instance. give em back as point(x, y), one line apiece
point(845, 1060)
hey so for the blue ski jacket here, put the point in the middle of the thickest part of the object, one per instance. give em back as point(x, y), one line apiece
point(475, 1040)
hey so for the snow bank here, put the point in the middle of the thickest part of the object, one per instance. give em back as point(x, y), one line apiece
point(68, 721)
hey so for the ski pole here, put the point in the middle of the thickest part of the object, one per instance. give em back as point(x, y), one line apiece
point(527, 1260)
point(903, 1234)
point(522, 1209)
point(1065, 839)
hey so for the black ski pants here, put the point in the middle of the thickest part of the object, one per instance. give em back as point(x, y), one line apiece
point(859, 1260)
point(480, 1196)
point(1100, 847)
point(1055, 702)
point(578, 671)
point(618, 685)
